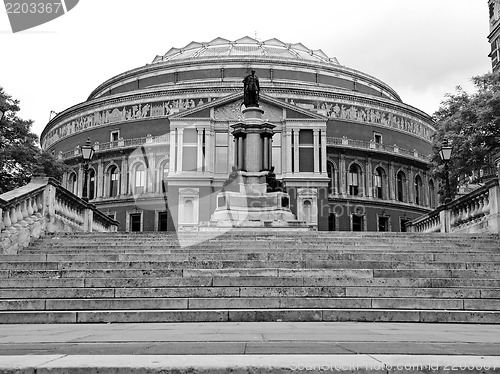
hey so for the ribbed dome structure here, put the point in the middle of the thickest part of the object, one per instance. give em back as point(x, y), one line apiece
point(246, 47)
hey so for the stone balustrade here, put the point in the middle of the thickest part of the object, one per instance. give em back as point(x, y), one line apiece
point(41, 207)
point(377, 147)
point(476, 212)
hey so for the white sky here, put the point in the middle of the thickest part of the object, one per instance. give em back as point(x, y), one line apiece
point(421, 48)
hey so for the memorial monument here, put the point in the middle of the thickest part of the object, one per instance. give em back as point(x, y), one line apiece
point(252, 197)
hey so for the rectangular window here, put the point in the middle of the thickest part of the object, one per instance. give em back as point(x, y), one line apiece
point(221, 152)
point(306, 151)
point(377, 137)
point(190, 150)
point(114, 135)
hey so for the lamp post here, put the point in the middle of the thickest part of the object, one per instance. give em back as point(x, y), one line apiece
point(87, 154)
point(445, 154)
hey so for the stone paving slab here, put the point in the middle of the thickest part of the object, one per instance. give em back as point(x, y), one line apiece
point(249, 364)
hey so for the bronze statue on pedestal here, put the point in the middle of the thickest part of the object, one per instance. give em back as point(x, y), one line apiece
point(251, 90)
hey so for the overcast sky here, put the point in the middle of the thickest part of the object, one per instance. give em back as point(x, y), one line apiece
point(421, 48)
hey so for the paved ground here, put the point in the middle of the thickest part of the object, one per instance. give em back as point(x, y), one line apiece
point(280, 345)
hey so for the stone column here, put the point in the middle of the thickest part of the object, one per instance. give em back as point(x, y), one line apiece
point(210, 150)
point(64, 181)
point(230, 151)
point(240, 152)
point(316, 150)
point(411, 185)
point(180, 141)
point(266, 152)
point(296, 138)
point(80, 180)
point(369, 177)
point(124, 185)
point(100, 178)
point(288, 151)
point(324, 169)
point(425, 191)
point(151, 182)
point(342, 175)
point(173, 146)
point(199, 162)
point(391, 180)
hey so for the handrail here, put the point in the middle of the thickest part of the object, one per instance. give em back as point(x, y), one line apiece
point(43, 206)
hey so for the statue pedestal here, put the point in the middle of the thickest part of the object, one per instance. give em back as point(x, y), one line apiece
point(250, 206)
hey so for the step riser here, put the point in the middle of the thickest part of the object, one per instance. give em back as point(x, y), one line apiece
point(317, 315)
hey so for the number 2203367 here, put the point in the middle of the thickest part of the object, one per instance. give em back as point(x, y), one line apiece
point(33, 8)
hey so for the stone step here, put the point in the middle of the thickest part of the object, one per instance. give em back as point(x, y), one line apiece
point(261, 303)
point(244, 291)
point(266, 272)
point(220, 264)
point(252, 315)
point(387, 256)
point(254, 281)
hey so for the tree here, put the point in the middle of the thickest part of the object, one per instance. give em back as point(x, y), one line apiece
point(471, 122)
point(20, 155)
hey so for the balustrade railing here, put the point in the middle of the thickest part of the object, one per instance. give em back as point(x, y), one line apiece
point(121, 143)
point(394, 149)
point(475, 212)
point(43, 206)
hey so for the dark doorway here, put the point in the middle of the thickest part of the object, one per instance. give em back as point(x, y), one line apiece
point(403, 222)
point(331, 221)
point(162, 221)
point(135, 222)
point(383, 223)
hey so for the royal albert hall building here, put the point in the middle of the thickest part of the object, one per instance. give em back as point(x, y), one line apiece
point(351, 154)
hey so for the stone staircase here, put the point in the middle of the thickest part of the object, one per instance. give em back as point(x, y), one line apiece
point(250, 276)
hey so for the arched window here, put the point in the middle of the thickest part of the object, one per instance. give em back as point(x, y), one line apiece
point(432, 194)
point(140, 179)
point(418, 190)
point(400, 183)
point(91, 185)
point(72, 183)
point(332, 185)
point(113, 181)
point(353, 180)
point(378, 183)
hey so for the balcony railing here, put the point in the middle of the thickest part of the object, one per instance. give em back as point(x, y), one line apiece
point(392, 149)
point(119, 144)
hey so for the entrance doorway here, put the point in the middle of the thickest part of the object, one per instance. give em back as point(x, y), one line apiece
point(383, 223)
point(135, 221)
point(162, 221)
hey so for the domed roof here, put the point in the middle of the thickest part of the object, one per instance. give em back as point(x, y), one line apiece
point(246, 47)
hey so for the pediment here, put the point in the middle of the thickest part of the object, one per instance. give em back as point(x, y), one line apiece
point(229, 109)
